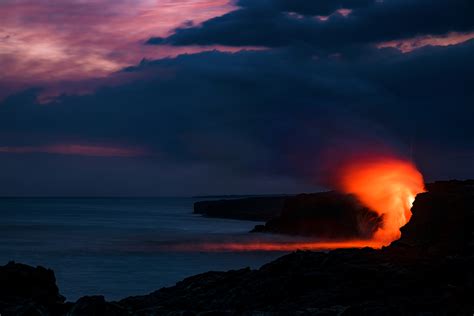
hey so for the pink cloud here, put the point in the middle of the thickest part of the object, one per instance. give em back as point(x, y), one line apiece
point(410, 44)
point(342, 12)
point(46, 42)
point(322, 18)
point(77, 150)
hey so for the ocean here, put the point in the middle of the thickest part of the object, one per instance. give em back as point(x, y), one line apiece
point(118, 247)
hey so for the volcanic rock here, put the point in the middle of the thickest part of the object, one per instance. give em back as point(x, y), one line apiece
point(427, 272)
point(250, 208)
point(443, 218)
point(25, 290)
point(328, 215)
point(95, 306)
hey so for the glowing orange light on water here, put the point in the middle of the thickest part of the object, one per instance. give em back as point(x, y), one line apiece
point(275, 246)
point(386, 185)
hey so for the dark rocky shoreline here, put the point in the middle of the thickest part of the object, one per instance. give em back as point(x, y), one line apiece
point(328, 215)
point(261, 208)
point(427, 272)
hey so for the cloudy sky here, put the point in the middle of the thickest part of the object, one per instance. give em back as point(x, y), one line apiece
point(188, 97)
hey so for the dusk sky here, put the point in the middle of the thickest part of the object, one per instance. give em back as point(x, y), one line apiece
point(195, 97)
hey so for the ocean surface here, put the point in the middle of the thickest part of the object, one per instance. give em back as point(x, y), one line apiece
point(118, 247)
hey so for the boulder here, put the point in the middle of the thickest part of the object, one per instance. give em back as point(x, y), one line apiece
point(26, 290)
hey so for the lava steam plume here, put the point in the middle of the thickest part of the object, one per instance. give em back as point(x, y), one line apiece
point(388, 186)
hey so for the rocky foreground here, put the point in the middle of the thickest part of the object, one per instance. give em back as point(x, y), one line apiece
point(429, 271)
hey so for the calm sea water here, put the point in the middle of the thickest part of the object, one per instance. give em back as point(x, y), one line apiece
point(108, 246)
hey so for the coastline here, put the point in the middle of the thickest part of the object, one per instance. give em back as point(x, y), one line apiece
point(431, 263)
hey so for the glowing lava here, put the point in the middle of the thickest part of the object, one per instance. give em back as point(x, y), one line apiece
point(386, 185)
point(273, 246)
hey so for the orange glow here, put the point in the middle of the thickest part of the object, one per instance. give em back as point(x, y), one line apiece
point(386, 185)
point(275, 246)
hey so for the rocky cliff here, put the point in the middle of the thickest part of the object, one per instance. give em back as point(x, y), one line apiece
point(327, 215)
point(250, 208)
point(26, 290)
point(427, 272)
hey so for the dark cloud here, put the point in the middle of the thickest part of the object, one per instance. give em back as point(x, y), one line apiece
point(305, 7)
point(268, 23)
point(259, 121)
point(266, 115)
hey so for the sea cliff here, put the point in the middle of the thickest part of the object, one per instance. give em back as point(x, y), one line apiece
point(428, 271)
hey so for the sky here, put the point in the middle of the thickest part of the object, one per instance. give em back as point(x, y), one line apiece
point(197, 97)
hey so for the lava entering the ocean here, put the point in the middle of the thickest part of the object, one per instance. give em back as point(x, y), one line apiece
point(386, 185)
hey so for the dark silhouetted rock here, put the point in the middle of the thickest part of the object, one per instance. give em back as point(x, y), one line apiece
point(348, 282)
point(95, 306)
point(443, 218)
point(328, 215)
point(250, 208)
point(427, 272)
point(25, 290)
